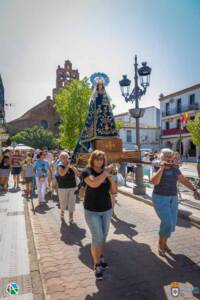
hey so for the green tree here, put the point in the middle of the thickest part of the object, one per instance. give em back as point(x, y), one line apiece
point(36, 137)
point(194, 128)
point(119, 124)
point(72, 105)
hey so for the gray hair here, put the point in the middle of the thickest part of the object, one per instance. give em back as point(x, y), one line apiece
point(165, 151)
point(63, 153)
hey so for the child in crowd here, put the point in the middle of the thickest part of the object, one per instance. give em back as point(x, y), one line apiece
point(16, 162)
point(28, 172)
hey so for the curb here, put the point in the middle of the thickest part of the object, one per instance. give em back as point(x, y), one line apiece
point(37, 285)
point(182, 214)
point(46, 297)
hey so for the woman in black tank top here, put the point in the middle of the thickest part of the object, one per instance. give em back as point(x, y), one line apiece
point(66, 186)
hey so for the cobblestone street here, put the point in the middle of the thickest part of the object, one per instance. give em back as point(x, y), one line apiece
point(136, 271)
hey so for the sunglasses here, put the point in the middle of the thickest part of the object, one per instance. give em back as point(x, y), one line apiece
point(99, 158)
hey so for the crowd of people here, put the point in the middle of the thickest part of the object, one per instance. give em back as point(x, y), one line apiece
point(97, 184)
point(27, 167)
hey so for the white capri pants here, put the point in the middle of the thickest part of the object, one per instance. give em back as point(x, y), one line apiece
point(67, 199)
point(41, 188)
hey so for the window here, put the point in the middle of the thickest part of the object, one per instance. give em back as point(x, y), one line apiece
point(44, 124)
point(167, 109)
point(129, 136)
point(178, 105)
point(167, 125)
point(192, 99)
point(178, 123)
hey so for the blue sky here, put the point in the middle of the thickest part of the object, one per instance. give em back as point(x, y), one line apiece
point(38, 35)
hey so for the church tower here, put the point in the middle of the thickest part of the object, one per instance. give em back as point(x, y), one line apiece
point(2, 101)
point(64, 76)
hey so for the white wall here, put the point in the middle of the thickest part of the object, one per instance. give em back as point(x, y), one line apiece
point(149, 138)
point(151, 117)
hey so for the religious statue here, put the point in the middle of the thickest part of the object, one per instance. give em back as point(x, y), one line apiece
point(100, 130)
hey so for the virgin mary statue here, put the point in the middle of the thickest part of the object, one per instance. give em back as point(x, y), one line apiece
point(100, 123)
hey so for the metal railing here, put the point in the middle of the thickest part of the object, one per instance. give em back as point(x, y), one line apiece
point(174, 131)
point(181, 109)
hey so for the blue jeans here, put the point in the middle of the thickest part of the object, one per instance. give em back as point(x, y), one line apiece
point(98, 223)
point(166, 208)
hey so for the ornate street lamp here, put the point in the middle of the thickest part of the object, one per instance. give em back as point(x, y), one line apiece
point(125, 86)
point(143, 73)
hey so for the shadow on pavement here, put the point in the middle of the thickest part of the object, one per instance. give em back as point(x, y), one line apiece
point(137, 273)
point(72, 234)
point(42, 209)
point(122, 227)
point(185, 222)
point(12, 190)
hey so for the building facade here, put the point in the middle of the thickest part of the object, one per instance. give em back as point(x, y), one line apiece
point(151, 117)
point(149, 129)
point(172, 107)
point(44, 113)
point(149, 136)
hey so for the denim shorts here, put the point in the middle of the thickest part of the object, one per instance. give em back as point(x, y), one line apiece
point(98, 223)
point(166, 208)
point(16, 170)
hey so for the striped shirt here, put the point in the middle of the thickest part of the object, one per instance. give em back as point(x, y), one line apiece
point(16, 160)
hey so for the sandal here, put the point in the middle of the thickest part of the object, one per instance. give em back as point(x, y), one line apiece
point(161, 252)
point(114, 216)
point(167, 249)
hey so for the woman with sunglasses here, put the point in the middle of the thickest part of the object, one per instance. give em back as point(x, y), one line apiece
point(98, 206)
point(165, 196)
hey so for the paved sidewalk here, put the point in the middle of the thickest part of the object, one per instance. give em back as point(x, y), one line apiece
point(136, 271)
point(189, 208)
point(189, 169)
point(14, 254)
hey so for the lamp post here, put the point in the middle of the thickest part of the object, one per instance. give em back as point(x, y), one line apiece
point(142, 73)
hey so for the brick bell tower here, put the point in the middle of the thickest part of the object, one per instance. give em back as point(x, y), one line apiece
point(64, 76)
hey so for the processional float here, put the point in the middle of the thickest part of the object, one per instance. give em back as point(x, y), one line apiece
point(100, 130)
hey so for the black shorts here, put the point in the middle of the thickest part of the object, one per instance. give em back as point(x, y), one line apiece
point(16, 170)
point(130, 169)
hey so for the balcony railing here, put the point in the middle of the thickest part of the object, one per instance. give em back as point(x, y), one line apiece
point(172, 131)
point(181, 109)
